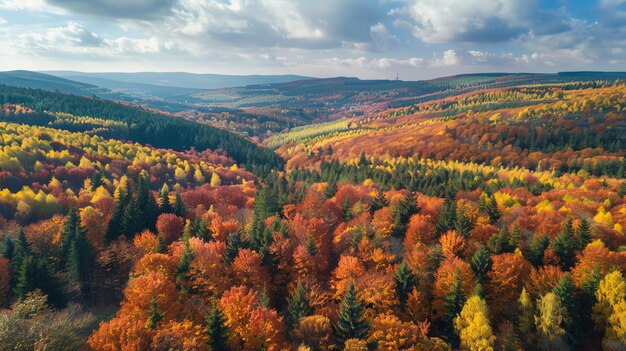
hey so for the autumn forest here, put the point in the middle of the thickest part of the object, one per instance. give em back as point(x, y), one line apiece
point(483, 215)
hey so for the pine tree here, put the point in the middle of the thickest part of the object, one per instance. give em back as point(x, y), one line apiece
point(164, 200)
point(96, 180)
point(503, 242)
point(36, 274)
point(346, 208)
point(72, 222)
point(537, 247)
point(462, 224)
point(481, 262)
point(161, 246)
point(621, 192)
point(115, 222)
point(565, 291)
point(234, 242)
point(330, 190)
point(489, 206)
point(8, 249)
point(405, 281)
point(183, 267)
point(154, 315)
point(453, 305)
point(403, 212)
point(146, 202)
point(217, 330)
point(583, 234)
point(130, 223)
point(179, 206)
point(447, 217)
point(564, 245)
point(351, 322)
point(298, 305)
point(22, 250)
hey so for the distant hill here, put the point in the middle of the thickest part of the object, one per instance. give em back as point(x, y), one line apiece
point(28, 79)
point(177, 79)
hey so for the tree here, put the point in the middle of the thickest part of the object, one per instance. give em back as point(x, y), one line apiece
point(615, 336)
point(217, 331)
point(405, 280)
point(549, 323)
point(564, 245)
point(36, 274)
point(611, 291)
point(583, 234)
point(179, 208)
point(526, 319)
point(298, 305)
point(164, 202)
point(351, 322)
point(154, 315)
point(481, 262)
point(215, 180)
point(447, 217)
point(489, 206)
point(170, 227)
point(146, 202)
point(462, 224)
point(234, 242)
point(506, 279)
point(389, 333)
point(403, 211)
point(473, 326)
point(453, 305)
point(566, 292)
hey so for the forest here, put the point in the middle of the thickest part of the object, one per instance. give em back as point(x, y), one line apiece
point(480, 219)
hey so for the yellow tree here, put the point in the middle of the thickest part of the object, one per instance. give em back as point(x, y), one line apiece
point(473, 326)
point(549, 322)
point(611, 291)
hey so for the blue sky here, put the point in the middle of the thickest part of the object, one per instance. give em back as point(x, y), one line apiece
point(416, 39)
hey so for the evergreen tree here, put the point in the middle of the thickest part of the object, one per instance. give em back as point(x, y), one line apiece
point(146, 203)
point(8, 249)
point(183, 267)
point(622, 189)
point(96, 180)
point(549, 323)
point(164, 200)
point(454, 302)
point(330, 190)
point(405, 281)
point(72, 223)
point(481, 262)
point(403, 212)
point(161, 246)
point(489, 206)
point(351, 322)
point(154, 315)
point(217, 330)
point(179, 206)
point(565, 291)
point(22, 250)
point(378, 202)
point(447, 217)
point(526, 320)
point(462, 224)
point(564, 245)
point(536, 249)
point(115, 222)
point(298, 305)
point(130, 222)
point(36, 274)
point(583, 234)
point(503, 242)
point(346, 209)
point(234, 242)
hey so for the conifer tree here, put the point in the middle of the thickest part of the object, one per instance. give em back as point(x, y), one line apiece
point(234, 242)
point(298, 305)
point(164, 200)
point(403, 212)
point(183, 267)
point(351, 322)
point(405, 281)
point(447, 217)
point(583, 234)
point(161, 246)
point(481, 262)
point(526, 320)
point(378, 202)
point(8, 249)
point(564, 245)
point(565, 291)
point(217, 331)
point(154, 315)
point(36, 274)
point(179, 208)
point(462, 224)
point(453, 305)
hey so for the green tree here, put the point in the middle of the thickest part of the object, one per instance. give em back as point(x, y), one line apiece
point(217, 330)
point(583, 234)
point(154, 315)
point(179, 206)
point(564, 245)
point(351, 322)
point(481, 262)
point(36, 274)
point(405, 281)
point(454, 302)
point(298, 305)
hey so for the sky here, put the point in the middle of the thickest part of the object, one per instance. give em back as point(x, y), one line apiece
point(414, 39)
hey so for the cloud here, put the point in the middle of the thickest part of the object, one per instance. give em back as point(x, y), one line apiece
point(138, 9)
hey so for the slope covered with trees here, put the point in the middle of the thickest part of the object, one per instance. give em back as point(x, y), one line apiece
point(492, 220)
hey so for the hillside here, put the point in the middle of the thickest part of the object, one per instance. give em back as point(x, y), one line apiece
point(144, 126)
point(559, 127)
